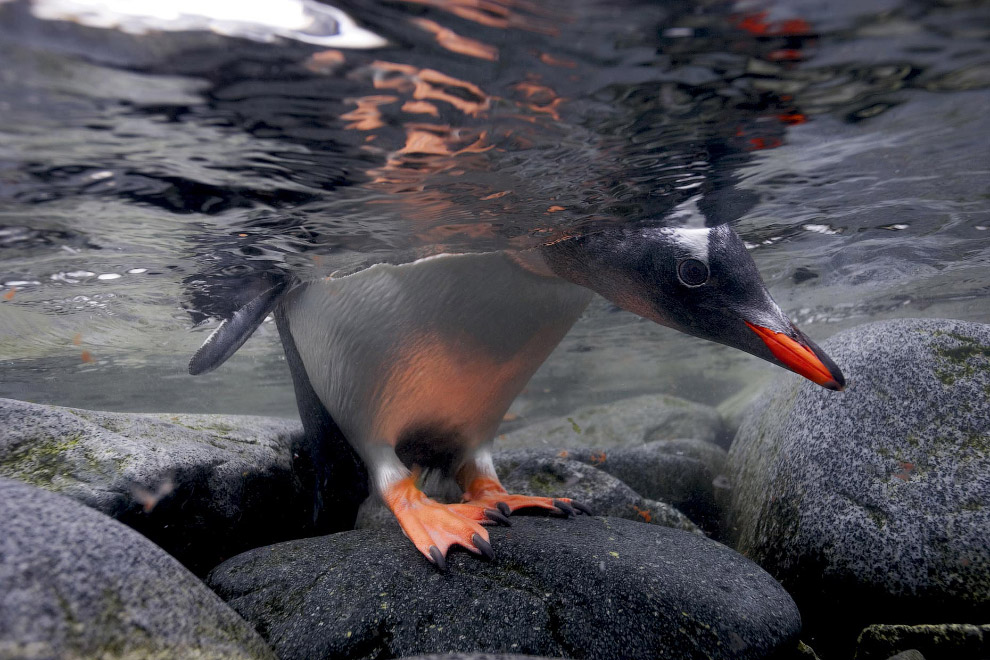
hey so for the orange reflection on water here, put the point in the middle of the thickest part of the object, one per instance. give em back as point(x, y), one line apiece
point(431, 85)
point(756, 23)
point(442, 140)
point(540, 98)
point(325, 62)
point(455, 43)
point(367, 116)
point(498, 14)
point(433, 131)
point(551, 60)
point(420, 108)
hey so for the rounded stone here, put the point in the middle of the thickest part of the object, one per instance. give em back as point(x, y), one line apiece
point(872, 505)
point(581, 587)
point(621, 423)
point(76, 584)
point(203, 487)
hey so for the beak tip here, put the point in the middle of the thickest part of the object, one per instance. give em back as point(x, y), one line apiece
point(801, 356)
point(837, 383)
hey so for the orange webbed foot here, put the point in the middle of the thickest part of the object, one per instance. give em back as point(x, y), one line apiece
point(488, 495)
point(435, 527)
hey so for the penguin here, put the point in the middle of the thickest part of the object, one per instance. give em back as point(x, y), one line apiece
point(414, 365)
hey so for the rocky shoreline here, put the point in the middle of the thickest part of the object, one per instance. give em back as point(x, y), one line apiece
point(855, 522)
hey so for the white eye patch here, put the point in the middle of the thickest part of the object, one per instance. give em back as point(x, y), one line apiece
point(693, 241)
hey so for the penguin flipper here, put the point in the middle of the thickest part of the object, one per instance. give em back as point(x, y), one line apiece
point(231, 334)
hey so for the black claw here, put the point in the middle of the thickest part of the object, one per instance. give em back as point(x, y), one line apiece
point(496, 516)
point(582, 508)
point(438, 558)
point(504, 508)
point(565, 507)
point(484, 546)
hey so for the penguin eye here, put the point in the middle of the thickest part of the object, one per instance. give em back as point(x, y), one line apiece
point(692, 272)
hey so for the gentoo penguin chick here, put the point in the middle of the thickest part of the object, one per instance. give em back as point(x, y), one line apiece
point(418, 363)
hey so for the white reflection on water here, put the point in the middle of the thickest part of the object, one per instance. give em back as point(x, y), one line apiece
point(302, 20)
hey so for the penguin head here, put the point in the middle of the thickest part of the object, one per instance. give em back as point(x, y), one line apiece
point(701, 281)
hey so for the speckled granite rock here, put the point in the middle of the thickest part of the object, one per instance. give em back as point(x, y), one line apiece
point(204, 487)
point(588, 587)
point(955, 641)
point(599, 491)
point(873, 505)
point(622, 423)
point(683, 473)
point(76, 584)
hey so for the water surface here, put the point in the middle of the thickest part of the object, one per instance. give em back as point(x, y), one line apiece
point(152, 174)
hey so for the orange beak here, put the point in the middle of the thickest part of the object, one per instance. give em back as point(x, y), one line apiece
point(797, 357)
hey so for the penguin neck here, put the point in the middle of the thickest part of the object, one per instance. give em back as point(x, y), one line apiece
point(606, 263)
point(533, 261)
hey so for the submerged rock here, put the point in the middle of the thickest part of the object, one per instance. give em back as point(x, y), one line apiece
point(622, 423)
point(77, 584)
point(733, 410)
point(683, 473)
point(476, 656)
point(955, 641)
point(599, 491)
point(873, 504)
point(588, 587)
point(555, 477)
point(203, 487)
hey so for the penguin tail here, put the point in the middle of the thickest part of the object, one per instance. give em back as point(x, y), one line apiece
point(232, 332)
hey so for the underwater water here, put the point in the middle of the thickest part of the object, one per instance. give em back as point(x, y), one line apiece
point(164, 162)
point(153, 169)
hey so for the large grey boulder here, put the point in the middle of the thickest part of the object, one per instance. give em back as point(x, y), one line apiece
point(581, 587)
point(873, 505)
point(621, 423)
point(75, 584)
point(204, 487)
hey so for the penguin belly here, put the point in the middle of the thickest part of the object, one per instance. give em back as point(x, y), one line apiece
point(426, 357)
point(418, 363)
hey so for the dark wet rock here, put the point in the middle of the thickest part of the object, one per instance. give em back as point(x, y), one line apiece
point(203, 487)
point(588, 587)
point(873, 505)
point(555, 477)
point(622, 423)
point(599, 491)
point(683, 473)
point(477, 656)
point(373, 514)
point(77, 584)
point(955, 641)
